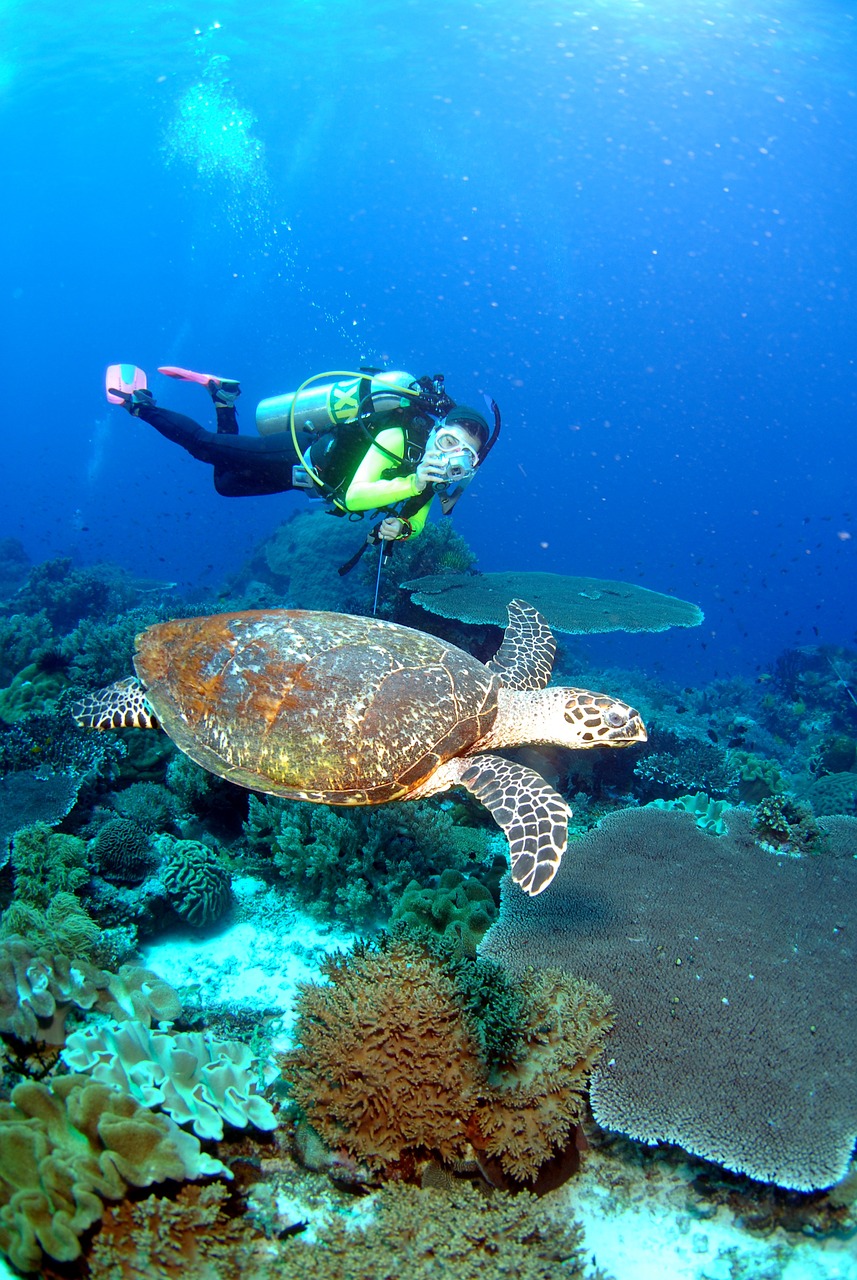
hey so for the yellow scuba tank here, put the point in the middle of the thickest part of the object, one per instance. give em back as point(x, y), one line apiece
point(327, 399)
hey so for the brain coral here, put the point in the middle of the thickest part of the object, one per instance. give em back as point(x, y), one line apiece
point(197, 883)
point(731, 971)
point(122, 851)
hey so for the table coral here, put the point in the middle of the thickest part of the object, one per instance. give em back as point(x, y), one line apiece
point(732, 975)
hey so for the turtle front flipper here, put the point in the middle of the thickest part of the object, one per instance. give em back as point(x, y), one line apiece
point(533, 816)
point(121, 705)
point(525, 657)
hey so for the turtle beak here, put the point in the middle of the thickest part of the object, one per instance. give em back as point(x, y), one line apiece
point(631, 729)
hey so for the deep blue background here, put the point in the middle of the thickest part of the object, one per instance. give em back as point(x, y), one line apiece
point(633, 224)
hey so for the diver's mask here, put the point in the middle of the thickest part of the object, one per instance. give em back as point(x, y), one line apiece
point(458, 458)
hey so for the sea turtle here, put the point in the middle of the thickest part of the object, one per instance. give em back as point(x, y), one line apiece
point(345, 710)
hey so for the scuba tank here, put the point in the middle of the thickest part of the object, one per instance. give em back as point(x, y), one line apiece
point(329, 399)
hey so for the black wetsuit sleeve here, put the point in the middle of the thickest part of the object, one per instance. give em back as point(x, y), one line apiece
point(244, 466)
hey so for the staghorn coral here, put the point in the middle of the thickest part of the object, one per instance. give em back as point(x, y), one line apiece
point(66, 1149)
point(731, 973)
point(425, 1234)
point(389, 1068)
point(197, 883)
point(194, 1077)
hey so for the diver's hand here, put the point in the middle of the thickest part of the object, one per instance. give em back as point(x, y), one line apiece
point(390, 528)
point(431, 469)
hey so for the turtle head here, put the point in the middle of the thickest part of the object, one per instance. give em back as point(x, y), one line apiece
point(597, 720)
point(576, 718)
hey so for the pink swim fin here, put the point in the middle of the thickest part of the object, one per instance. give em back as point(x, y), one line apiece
point(122, 380)
point(188, 375)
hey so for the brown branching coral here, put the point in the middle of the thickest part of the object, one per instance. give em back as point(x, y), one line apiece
point(389, 1071)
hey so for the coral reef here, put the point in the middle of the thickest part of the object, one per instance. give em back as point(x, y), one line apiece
point(389, 1067)
point(354, 864)
point(725, 964)
point(68, 1148)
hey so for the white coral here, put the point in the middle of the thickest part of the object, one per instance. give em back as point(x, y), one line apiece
point(192, 1076)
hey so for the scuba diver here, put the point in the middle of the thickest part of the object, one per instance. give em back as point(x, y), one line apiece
point(367, 441)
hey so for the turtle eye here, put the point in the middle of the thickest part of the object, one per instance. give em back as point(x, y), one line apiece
point(615, 718)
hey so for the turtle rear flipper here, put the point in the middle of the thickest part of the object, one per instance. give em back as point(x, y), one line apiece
point(121, 705)
point(533, 816)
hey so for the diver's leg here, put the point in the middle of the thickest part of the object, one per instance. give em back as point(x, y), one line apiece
point(179, 429)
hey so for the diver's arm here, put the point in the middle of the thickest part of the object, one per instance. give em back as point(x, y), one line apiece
point(369, 489)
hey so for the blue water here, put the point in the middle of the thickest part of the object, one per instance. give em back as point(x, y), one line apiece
point(630, 223)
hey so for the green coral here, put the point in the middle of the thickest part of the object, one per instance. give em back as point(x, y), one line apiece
point(47, 863)
point(757, 778)
point(458, 908)
point(198, 884)
point(354, 864)
point(66, 1149)
point(709, 815)
point(31, 690)
point(786, 825)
